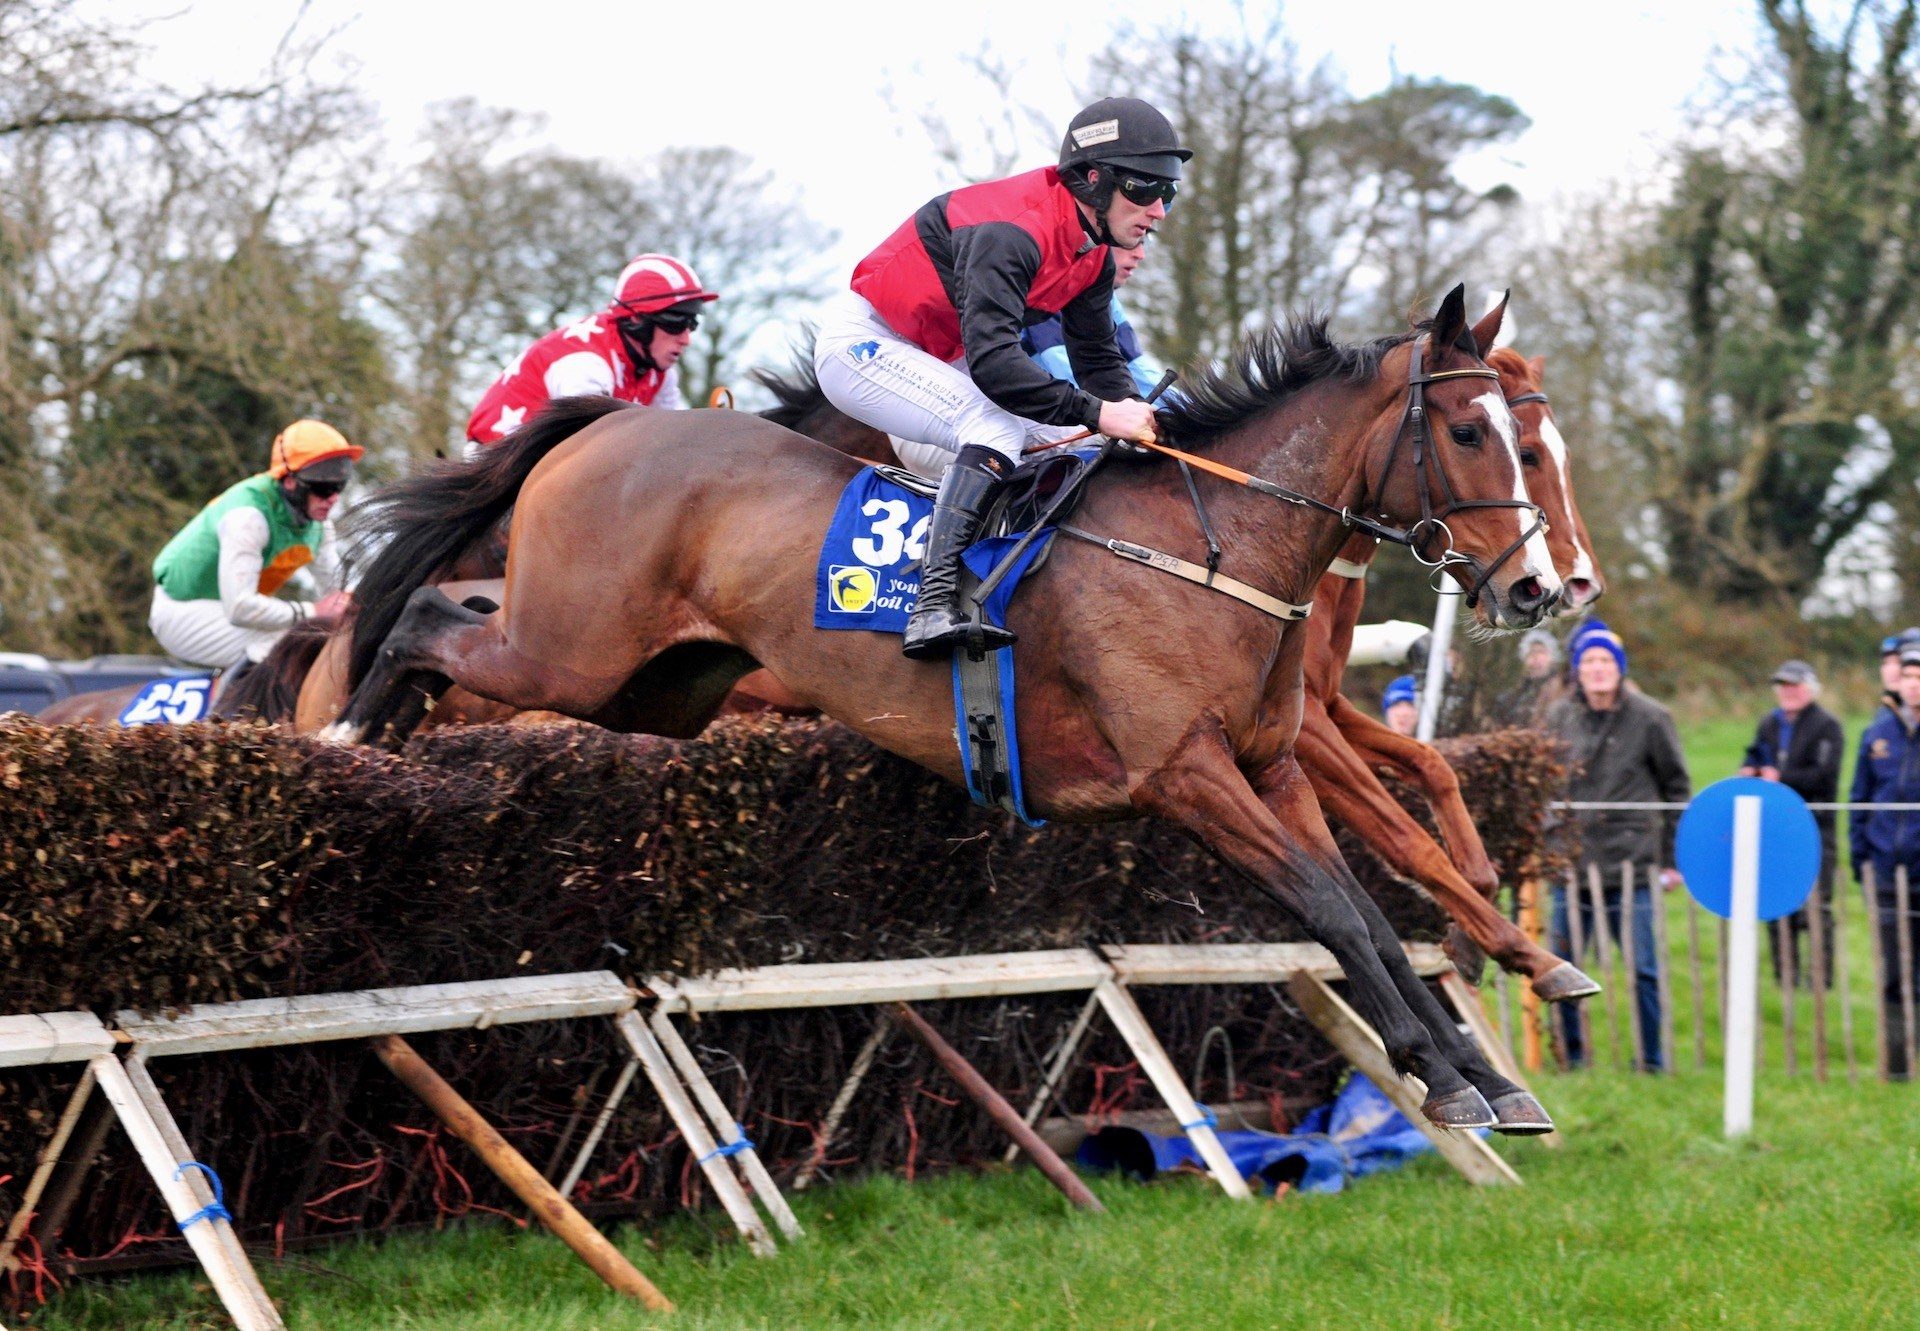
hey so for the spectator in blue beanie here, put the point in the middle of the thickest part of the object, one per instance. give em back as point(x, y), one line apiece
point(1400, 705)
point(1800, 744)
point(1888, 772)
point(1624, 749)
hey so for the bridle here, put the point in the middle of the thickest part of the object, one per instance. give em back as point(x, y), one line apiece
point(1427, 467)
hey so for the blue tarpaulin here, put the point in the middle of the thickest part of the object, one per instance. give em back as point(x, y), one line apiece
point(1360, 1133)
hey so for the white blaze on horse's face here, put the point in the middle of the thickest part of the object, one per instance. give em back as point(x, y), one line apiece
point(1535, 561)
point(1582, 558)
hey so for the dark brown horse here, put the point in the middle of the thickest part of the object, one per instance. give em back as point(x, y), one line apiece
point(267, 692)
point(657, 557)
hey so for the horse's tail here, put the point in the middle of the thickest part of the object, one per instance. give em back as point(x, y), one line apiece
point(798, 389)
point(271, 690)
point(416, 527)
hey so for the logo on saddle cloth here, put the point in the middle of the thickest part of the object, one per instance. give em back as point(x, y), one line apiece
point(863, 351)
point(853, 589)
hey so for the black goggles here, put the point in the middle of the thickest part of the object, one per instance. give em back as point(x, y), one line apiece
point(1144, 190)
point(675, 324)
point(323, 489)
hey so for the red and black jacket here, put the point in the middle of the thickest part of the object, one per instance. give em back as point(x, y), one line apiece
point(972, 268)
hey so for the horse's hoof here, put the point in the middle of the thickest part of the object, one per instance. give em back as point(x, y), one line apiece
point(1564, 983)
point(1465, 1108)
point(1518, 1114)
point(1465, 954)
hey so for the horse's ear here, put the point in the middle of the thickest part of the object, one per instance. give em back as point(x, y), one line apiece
point(1450, 324)
point(1487, 331)
point(1538, 366)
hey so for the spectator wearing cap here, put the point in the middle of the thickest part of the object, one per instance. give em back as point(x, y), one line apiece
point(1400, 705)
point(1888, 772)
point(1890, 663)
point(1799, 744)
point(1623, 749)
point(1540, 685)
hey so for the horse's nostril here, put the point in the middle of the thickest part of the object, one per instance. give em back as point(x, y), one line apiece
point(1580, 591)
point(1528, 595)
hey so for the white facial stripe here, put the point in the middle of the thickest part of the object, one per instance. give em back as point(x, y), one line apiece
point(1550, 435)
point(1534, 557)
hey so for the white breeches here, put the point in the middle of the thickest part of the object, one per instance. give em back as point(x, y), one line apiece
point(199, 633)
point(929, 406)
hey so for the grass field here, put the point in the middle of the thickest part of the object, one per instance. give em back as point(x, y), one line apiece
point(1645, 1218)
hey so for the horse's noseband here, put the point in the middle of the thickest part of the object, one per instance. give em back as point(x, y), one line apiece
point(1426, 468)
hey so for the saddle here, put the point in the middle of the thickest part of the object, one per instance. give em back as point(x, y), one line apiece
point(1023, 497)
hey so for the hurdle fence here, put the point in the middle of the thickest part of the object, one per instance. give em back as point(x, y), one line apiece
point(114, 1057)
point(1838, 982)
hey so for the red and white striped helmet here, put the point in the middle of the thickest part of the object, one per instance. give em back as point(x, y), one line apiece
point(653, 282)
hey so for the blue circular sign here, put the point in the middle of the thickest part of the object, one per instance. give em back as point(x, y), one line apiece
point(1789, 846)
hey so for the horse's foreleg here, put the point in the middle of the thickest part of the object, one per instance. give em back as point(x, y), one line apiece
point(1279, 841)
point(1514, 1109)
point(1423, 766)
point(1349, 790)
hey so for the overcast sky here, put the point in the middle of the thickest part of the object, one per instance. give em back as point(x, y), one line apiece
point(803, 88)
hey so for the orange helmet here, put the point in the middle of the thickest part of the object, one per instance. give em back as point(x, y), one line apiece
point(306, 442)
point(653, 282)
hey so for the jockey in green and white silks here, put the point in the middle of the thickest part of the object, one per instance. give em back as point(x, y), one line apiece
point(213, 599)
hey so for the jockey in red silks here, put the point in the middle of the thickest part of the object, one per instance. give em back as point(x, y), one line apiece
point(926, 346)
point(626, 351)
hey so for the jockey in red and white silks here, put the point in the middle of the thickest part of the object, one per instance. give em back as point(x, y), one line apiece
point(626, 351)
point(926, 346)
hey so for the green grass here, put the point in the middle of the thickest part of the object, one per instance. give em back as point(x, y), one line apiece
point(1645, 1218)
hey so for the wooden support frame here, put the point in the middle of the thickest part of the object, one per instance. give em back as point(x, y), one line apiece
point(686, 1117)
point(1363, 1048)
point(732, 1135)
point(658, 1049)
point(830, 1127)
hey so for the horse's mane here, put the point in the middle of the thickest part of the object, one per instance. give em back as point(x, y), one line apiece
point(798, 388)
point(1266, 369)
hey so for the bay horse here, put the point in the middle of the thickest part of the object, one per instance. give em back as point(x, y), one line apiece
point(267, 692)
point(478, 570)
point(656, 557)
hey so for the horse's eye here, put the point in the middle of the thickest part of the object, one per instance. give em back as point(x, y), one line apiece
point(1467, 436)
point(1529, 458)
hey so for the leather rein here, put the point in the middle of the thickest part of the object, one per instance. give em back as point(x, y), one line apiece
point(1432, 521)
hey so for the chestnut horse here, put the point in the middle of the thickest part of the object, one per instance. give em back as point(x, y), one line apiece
point(657, 557)
point(1340, 746)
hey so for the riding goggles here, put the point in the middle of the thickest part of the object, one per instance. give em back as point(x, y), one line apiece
point(1144, 190)
point(323, 489)
point(675, 324)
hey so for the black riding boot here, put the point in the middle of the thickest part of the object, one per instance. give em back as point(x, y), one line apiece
point(965, 491)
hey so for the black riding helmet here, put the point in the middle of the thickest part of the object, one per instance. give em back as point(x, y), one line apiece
point(1118, 134)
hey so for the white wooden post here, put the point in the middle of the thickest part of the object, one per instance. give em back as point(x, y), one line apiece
point(1126, 1015)
point(1446, 610)
point(729, 1131)
point(706, 1151)
point(187, 1194)
point(1743, 965)
point(599, 1129)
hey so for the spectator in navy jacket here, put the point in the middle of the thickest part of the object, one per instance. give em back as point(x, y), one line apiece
point(1888, 772)
point(1799, 744)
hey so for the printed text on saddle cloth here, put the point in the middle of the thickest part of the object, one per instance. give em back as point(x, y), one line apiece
point(868, 576)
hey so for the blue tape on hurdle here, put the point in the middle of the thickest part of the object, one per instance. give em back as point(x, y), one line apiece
point(1207, 1119)
point(731, 1148)
point(213, 1210)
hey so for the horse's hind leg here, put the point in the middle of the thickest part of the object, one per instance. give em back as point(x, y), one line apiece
point(1279, 841)
point(404, 680)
